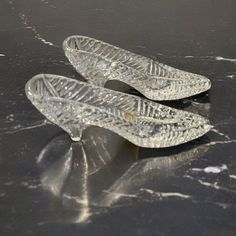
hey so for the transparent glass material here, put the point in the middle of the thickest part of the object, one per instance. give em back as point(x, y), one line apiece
point(99, 62)
point(75, 105)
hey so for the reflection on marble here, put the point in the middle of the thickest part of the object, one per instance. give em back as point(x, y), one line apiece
point(208, 48)
point(85, 177)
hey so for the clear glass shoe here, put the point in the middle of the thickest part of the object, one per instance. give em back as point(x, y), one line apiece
point(99, 62)
point(74, 105)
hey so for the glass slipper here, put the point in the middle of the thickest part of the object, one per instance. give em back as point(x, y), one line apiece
point(74, 105)
point(99, 62)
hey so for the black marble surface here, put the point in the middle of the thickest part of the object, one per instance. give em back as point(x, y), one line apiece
point(104, 185)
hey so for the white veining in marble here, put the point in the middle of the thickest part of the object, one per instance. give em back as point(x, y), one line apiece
point(165, 194)
point(214, 185)
point(212, 169)
point(231, 76)
point(25, 21)
point(30, 185)
point(10, 118)
point(215, 169)
point(208, 184)
point(219, 58)
point(19, 127)
point(220, 133)
point(155, 195)
point(221, 142)
point(232, 176)
point(117, 195)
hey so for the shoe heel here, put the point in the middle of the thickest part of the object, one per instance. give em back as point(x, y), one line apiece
point(76, 132)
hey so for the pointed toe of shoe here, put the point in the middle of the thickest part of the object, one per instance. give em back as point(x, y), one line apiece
point(188, 127)
point(160, 89)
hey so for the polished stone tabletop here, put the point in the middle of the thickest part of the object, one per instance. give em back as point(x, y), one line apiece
point(105, 185)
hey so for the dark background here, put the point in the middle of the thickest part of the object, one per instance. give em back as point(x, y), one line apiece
point(105, 185)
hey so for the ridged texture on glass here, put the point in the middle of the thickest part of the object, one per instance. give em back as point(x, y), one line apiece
point(99, 62)
point(74, 105)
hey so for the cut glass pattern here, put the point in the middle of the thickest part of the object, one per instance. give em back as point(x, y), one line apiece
point(74, 105)
point(99, 62)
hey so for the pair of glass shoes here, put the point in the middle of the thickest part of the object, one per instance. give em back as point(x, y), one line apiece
point(74, 105)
